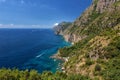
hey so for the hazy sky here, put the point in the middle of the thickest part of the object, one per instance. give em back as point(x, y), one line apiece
point(39, 13)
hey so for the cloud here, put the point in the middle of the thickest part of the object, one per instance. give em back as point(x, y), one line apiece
point(22, 2)
point(45, 6)
point(13, 2)
point(0, 24)
point(22, 26)
point(56, 24)
point(2, 0)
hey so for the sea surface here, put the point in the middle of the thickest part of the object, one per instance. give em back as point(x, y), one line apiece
point(30, 49)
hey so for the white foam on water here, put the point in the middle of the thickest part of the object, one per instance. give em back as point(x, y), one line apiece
point(40, 55)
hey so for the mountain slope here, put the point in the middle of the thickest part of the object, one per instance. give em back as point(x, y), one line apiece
point(96, 38)
point(95, 53)
point(101, 14)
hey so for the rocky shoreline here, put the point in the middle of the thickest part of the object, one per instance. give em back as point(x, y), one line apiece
point(56, 56)
point(64, 59)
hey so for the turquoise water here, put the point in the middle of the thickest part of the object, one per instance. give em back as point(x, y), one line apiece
point(30, 49)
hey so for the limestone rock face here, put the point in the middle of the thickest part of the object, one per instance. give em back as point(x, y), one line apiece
point(99, 15)
point(102, 5)
point(61, 27)
point(96, 34)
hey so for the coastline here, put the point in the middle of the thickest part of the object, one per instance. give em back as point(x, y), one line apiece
point(56, 56)
point(64, 59)
point(42, 49)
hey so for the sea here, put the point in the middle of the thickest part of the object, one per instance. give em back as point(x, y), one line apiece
point(30, 49)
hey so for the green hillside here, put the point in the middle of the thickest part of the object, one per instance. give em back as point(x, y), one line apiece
point(95, 53)
point(96, 38)
point(15, 74)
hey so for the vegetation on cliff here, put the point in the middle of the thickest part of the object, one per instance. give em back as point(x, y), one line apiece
point(15, 74)
point(97, 52)
point(97, 57)
point(96, 49)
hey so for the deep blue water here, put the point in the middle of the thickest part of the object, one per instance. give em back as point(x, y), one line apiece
point(29, 49)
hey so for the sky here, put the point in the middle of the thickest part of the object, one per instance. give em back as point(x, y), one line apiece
point(39, 13)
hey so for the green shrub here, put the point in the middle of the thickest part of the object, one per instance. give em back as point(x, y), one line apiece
point(97, 67)
point(89, 62)
point(15, 74)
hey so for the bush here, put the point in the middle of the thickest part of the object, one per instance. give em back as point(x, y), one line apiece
point(89, 62)
point(15, 74)
point(97, 67)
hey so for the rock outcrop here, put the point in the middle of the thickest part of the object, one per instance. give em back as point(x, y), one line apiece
point(96, 34)
point(97, 17)
point(102, 5)
point(61, 27)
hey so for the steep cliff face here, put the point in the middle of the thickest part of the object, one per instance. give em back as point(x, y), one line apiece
point(102, 5)
point(95, 56)
point(101, 14)
point(61, 27)
point(96, 34)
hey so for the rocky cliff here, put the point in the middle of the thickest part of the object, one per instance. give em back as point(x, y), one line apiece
point(101, 14)
point(96, 38)
point(61, 27)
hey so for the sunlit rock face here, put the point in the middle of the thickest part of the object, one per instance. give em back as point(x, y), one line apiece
point(102, 5)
